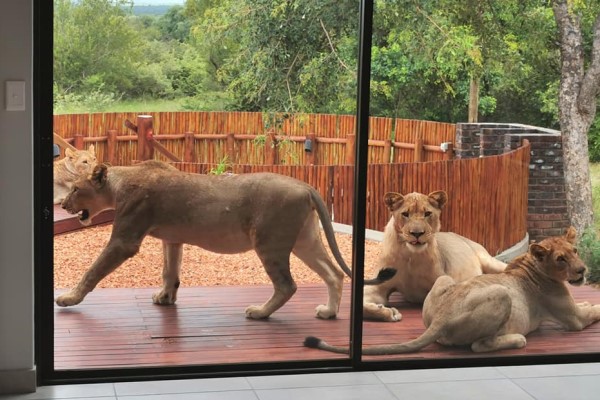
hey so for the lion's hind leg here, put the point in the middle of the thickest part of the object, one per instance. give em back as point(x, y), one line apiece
point(491, 265)
point(172, 256)
point(310, 249)
point(502, 342)
point(476, 317)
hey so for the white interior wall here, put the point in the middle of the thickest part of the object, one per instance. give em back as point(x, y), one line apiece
point(17, 369)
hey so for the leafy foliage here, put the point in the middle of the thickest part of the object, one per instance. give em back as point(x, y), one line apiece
point(589, 249)
point(301, 56)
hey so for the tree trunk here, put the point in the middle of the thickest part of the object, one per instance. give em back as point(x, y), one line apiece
point(577, 109)
point(473, 99)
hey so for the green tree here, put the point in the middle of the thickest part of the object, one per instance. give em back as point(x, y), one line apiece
point(578, 98)
point(283, 55)
point(95, 46)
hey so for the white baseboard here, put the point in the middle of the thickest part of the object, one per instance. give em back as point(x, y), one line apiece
point(17, 381)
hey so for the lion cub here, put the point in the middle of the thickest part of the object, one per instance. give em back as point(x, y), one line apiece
point(76, 163)
point(495, 312)
point(415, 248)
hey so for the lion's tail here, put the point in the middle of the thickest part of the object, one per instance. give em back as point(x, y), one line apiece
point(384, 275)
point(428, 337)
point(328, 229)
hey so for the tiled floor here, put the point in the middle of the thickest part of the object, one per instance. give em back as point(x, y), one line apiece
point(541, 382)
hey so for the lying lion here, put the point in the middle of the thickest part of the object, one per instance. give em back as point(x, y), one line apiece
point(415, 248)
point(495, 312)
point(273, 214)
point(66, 170)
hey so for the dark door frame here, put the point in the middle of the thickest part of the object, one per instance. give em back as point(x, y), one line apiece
point(43, 245)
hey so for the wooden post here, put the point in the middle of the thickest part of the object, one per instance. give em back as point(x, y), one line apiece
point(310, 149)
point(271, 149)
point(387, 151)
point(418, 150)
point(350, 148)
point(145, 131)
point(111, 147)
point(78, 143)
point(189, 154)
point(231, 148)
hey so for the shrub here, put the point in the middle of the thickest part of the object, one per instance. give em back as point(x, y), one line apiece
point(589, 250)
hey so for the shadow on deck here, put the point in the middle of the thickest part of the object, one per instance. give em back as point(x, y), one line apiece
point(122, 328)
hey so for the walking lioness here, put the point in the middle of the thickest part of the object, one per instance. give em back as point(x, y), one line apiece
point(272, 214)
point(495, 312)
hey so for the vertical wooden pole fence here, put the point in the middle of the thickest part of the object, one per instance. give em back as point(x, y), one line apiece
point(144, 131)
point(310, 149)
point(350, 146)
point(78, 143)
point(189, 154)
point(418, 150)
point(230, 145)
point(111, 147)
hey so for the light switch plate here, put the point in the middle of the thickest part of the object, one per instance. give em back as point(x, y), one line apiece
point(15, 96)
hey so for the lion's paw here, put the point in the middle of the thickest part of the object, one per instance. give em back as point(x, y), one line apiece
point(390, 314)
point(163, 298)
point(256, 312)
point(325, 312)
point(68, 299)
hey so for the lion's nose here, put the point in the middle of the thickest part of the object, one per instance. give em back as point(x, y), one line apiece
point(417, 234)
point(580, 270)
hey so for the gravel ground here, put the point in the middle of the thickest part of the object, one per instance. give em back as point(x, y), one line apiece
point(75, 252)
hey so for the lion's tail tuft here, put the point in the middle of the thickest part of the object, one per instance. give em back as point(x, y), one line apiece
point(312, 342)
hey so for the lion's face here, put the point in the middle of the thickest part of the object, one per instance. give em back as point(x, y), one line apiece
point(416, 216)
point(81, 162)
point(558, 256)
point(86, 198)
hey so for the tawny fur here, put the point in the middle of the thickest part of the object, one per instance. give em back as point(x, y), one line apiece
point(496, 312)
point(414, 246)
point(271, 214)
point(67, 170)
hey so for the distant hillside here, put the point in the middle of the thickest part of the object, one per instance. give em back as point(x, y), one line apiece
point(151, 10)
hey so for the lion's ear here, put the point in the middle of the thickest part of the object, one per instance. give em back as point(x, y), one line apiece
point(539, 252)
point(393, 200)
point(92, 149)
point(99, 174)
point(438, 199)
point(571, 235)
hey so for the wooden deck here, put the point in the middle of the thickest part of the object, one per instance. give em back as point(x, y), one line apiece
point(65, 222)
point(122, 328)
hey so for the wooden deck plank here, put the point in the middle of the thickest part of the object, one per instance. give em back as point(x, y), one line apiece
point(122, 328)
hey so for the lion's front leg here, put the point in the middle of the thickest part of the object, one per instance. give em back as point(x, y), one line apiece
point(172, 256)
point(588, 313)
point(374, 304)
point(113, 255)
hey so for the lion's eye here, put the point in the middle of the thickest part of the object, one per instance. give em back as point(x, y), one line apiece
point(405, 214)
point(561, 259)
point(575, 250)
point(427, 213)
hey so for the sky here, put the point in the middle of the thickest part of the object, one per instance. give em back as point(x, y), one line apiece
point(157, 2)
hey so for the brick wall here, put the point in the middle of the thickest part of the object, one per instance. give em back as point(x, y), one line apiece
point(547, 204)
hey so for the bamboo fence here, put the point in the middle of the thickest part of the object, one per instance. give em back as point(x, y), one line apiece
point(252, 138)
